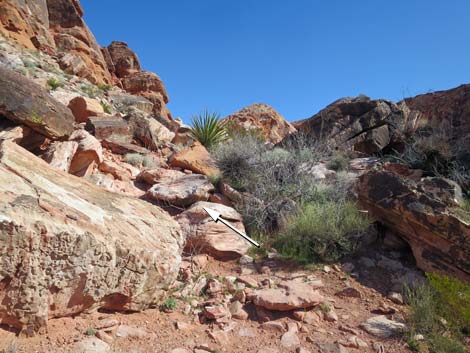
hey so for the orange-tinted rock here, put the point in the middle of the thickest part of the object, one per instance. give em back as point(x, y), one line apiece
point(153, 176)
point(195, 158)
point(263, 120)
point(124, 60)
point(83, 108)
point(72, 35)
point(403, 170)
point(89, 153)
point(144, 81)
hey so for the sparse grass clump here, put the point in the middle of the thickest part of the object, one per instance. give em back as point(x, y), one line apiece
point(149, 162)
point(54, 83)
point(338, 162)
point(91, 91)
point(106, 107)
point(135, 159)
point(168, 305)
point(466, 205)
point(323, 231)
point(90, 332)
point(440, 312)
point(208, 129)
point(104, 87)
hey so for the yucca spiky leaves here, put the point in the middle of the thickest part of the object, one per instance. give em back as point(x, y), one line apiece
point(208, 129)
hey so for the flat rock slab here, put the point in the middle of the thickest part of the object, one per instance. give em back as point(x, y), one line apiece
point(68, 246)
point(288, 295)
point(182, 191)
point(382, 327)
point(205, 236)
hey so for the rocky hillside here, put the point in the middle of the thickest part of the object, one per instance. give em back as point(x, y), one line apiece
point(105, 243)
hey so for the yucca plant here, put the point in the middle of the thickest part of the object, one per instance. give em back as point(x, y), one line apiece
point(208, 129)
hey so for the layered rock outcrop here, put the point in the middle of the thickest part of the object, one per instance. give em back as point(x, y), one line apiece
point(426, 214)
point(69, 246)
point(263, 120)
point(25, 102)
point(56, 27)
point(360, 123)
point(445, 113)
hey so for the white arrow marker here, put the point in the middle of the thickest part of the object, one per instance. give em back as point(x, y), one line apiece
point(216, 217)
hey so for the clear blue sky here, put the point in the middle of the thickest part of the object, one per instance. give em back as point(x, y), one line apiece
point(295, 55)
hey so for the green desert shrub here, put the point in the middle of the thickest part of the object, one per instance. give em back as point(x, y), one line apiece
point(323, 232)
point(106, 107)
point(439, 311)
point(208, 129)
point(338, 162)
point(54, 83)
point(168, 304)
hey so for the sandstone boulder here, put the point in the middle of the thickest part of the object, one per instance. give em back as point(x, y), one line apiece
point(359, 123)
point(423, 213)
point(153, 176)
point(183, 191)
point(73, 36)
point(445, 113)
point(288, 295)
point(89, 153)
point(204, 236)
point(148, 131)
point(125, 61)
point(27, 103)
point(110, 127)
point(197, 159)
point(69, 246)
point(59, 154)
point(144, 81)
point(83, 108)
point(123, 102)
point(261, 119)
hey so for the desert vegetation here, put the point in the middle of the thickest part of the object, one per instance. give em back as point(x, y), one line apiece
point(284, 204)
point(439, 317)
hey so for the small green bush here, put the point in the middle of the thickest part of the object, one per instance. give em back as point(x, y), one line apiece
point(104, 87)
point(454, 298)
point(442, 298)
point(54, 83)
point(168, 304)
point(149, 162)
point(106, 107)
point(338, 162)
point(135, 159)
point(208, 129)
point(323, 231)
point(91, 90)
point(466, 205)
point(90, 332)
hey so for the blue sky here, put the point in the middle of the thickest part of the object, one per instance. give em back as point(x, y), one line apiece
point(295, 55)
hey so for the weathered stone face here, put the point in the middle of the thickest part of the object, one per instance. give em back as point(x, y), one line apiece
point(359, 123)
point(68, 246)
point(424, 213)
point(204, 236)
point(262, 119)
point(25, 102)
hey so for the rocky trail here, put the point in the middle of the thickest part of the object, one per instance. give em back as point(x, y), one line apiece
point(240, 306)
point(105, 246)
